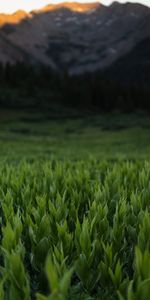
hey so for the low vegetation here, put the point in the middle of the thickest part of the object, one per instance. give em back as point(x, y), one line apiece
point(75, 230)
point(74, 227)
point(31, 135)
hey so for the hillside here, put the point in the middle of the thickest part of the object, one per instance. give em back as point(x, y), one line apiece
point(73, 36)
point(133, 65)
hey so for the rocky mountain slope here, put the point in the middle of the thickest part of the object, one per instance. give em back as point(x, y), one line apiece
point(73, 36)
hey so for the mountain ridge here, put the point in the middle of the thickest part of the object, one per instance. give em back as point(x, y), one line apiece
point(79, 37)
point(70, 5)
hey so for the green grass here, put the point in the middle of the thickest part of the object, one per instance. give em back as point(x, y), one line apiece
point(31, 135)
point(74, 206)
point(75, 230)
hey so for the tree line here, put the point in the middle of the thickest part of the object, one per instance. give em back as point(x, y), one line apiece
point(26, 86)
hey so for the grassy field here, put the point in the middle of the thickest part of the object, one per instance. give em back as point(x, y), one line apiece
point(74, 206)
point(31, 135)
point(75, 231)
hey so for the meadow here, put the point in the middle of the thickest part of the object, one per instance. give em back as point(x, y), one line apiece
point(31, 135)
point(75, 208)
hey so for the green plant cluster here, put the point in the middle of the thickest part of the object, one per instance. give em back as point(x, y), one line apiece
point(75, 230)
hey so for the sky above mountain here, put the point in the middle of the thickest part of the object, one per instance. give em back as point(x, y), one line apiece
point(8, 6)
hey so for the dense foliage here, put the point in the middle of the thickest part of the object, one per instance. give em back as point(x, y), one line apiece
point(75, 230)
point(24, 86)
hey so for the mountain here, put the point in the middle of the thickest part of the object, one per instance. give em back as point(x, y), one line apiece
point(75, 37)
point(132, 67)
